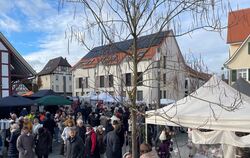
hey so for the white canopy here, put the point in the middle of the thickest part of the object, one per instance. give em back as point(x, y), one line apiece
point(166, 101)
point(106, 97)
point(215, 106)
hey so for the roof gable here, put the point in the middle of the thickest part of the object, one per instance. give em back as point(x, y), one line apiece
point(21, 63)
point(53, 64)
point(237, 51)
point(238, 26)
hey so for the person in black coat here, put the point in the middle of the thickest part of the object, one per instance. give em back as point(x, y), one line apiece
point(74, 145)
point(12, 150)
point(42, 142)
point(81, 129)
point(49, 125)
point(113, 143)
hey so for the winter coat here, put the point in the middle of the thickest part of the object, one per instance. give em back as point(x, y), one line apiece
point(151, 154)
point(163, 150)
point(81, 131)
point(74, 147)
point(91, 148)
point(25, 145)
point(12, 150)
point(49, 124)
point(100, 143)
point(65, 134)
point(42, 142)
point(113, 145)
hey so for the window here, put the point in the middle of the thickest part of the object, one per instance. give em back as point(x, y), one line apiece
point(111, 81)
point(164, 79)
point(63, 68)
point(57, 77)
point(70, 88)
point(165, 94)
point(128, 79)
point(70, 78)
point(243, 73)
point(101, 81)
point(139, 96)
point(86, 82)
point(52, 87)
point(186, 83)
point(164, 62)
point(140, 79)
point(57, 88)
point(161, 94)
point(79, 82)
point(233, 75)
point(140, 54)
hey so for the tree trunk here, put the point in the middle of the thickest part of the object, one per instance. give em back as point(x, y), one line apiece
point(133, 99)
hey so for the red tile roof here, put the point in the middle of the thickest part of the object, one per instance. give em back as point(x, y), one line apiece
point(238, 25)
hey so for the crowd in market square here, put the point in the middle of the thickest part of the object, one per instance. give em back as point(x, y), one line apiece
point(87, 132)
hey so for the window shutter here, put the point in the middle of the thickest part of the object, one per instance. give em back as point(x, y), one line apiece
point(76, 83)
point(248, 47)
point(248, 74)
point(97, 82)
point(233, 75)
point(106, 81)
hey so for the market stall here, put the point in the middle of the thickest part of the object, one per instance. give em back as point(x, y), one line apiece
point(214, 106)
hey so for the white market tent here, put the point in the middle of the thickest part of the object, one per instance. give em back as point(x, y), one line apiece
point(105, 97)
point(166, 101)
point(215, 106)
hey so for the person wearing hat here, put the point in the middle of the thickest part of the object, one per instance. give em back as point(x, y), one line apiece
point(164, 147)
point(100, 138)
point(91, 147)
point(74, 145)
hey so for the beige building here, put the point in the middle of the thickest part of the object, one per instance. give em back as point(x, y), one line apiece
point(108, 68)
point(239, 45)
point(56, 75)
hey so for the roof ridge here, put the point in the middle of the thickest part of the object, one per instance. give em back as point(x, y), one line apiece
point(125, 44)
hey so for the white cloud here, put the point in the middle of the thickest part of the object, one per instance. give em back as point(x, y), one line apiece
point(8, 24)
point(55, 46)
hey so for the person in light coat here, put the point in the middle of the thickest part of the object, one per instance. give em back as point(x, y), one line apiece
point(25, 144)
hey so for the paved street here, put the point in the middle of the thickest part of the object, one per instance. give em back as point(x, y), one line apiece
point(181, 141)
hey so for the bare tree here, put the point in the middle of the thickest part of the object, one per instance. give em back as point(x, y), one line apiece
point(117, 20)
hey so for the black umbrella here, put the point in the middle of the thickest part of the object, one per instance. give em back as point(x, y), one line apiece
point(15, 100)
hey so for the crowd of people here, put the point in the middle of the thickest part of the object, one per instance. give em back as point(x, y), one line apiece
point(84, 133)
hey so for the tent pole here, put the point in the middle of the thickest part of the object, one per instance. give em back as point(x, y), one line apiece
point(146, 132)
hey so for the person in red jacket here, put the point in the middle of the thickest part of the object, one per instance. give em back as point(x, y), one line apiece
point(91, 148)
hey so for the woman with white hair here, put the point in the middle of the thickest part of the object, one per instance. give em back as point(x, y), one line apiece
point(15, 132)
point(80, 129)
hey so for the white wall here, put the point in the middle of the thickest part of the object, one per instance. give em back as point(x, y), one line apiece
point(169, 48)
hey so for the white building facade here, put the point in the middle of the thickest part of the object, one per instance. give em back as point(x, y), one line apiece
point(93, 73)
point(56, 75)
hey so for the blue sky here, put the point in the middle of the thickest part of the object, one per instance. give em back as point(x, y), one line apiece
point(36, 28)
